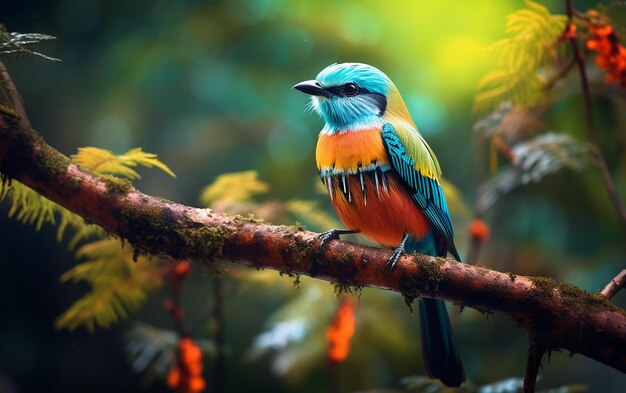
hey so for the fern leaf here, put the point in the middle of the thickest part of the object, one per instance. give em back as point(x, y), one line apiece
point(29, 207)
point(118, 285)
point(534, 159)
point(238, 186)
point(104, 161)
point(535, 34)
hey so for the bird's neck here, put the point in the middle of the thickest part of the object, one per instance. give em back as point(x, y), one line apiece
point(396, 112)
point(367, 123)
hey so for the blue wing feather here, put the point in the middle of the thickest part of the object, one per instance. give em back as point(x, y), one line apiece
point(426, 192)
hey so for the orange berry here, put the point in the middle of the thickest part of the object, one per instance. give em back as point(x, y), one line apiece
point(570, 33)
point(181, 268)
point(185, 342)
point(190, 351)
point(479, 230)
point(196, 384)
point(604, 31)
point(173, 378)
point(168, 304)
point(340, 332)
point(592, 44)
point(195, 369)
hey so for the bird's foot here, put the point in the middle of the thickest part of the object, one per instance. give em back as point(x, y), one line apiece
point(333, 234)
point(395, 255)
point(393, 259)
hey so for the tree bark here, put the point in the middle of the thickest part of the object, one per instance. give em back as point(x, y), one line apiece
point(560, 315)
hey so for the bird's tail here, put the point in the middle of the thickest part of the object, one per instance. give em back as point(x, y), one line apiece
point(439, 351)
point(441, 356)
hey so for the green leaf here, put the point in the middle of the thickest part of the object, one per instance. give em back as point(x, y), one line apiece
point(105, 162)
point(533, 159)
point(30, 208)
point(118, 285)
point(535, 34)
point(231, 187)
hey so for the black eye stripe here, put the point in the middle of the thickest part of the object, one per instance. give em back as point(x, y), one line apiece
point(378, 99)
point(339, 90)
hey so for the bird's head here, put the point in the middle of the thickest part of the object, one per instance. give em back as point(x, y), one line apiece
point(352, 96)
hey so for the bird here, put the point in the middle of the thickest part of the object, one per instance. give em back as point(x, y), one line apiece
point(384, 181)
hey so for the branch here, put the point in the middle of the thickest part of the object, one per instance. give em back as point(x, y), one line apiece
point(560, 75)
point(560, 315)
point(614, 285)
point(13, 97)
point(590, 126)
point(533, 364)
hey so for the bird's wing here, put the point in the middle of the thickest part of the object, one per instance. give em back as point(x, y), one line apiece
point(415, 163)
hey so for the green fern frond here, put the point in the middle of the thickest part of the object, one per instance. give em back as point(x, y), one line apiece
point(29, 207)
point(118, 285)
point(534, 159)
point(103, 306)
point(104, 161)
point(534, 43)
point(237, 186)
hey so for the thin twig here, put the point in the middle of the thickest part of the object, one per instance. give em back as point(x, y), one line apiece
point(591, 130)
point(15, 100)
point(614, 285)
point(560, 75)
point(533, 364)
point(218, 320)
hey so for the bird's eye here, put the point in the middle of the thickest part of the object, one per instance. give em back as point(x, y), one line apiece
point(350, 89)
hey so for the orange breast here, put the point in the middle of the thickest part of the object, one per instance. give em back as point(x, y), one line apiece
point(374, 203)
point(349, 150)
point(383, 215)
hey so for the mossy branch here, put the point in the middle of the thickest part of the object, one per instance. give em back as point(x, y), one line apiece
point(560, 315)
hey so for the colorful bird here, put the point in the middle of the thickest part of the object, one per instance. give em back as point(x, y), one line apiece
point(383, 180)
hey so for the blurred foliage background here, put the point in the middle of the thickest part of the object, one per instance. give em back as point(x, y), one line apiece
point(206, 85)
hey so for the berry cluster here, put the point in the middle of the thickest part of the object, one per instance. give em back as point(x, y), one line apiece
point(341, 331)
point(186, 376)
point(611, 56)
point(479, 230)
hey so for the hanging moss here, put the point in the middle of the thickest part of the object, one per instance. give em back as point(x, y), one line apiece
point(548, 287)
point(240, 220)
point(298, 227)
point(116, 185)
point(10, 115)
point(295, 276)
point(297, 250)
point(341, 288)
point(206, 242)
point(413, 285)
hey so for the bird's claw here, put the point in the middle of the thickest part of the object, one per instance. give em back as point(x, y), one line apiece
point(393, 259)
point(327, 236)
point(334, 234)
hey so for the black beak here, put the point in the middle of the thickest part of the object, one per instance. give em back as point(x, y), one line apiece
point(313, 88)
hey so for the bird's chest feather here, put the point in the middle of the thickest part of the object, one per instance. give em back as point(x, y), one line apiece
point(364, 189)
